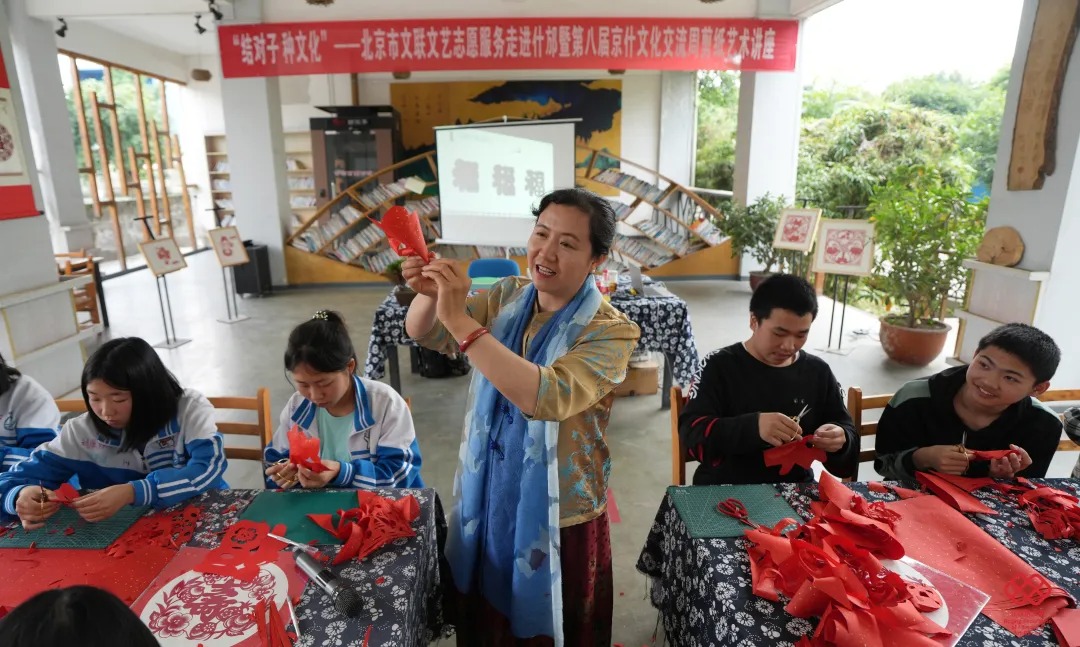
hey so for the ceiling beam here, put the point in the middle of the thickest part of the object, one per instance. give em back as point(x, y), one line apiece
point(803, 9)
point(74, 9)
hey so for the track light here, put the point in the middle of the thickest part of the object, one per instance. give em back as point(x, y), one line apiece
point(212, 5)
point(198, 27)
point(61, 31)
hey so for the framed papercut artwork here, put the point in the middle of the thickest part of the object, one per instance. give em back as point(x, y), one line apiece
point(162, 256)
point(845, 247)
point(796, 229)
point(227, 246)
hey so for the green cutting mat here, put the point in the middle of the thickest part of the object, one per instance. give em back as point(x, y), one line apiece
point(292, 508)
point(87, 535)
point(697, 507)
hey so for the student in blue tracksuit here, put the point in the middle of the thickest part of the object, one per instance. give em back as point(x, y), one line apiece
point(365, 430)
point(28, 416)
point(144, 441)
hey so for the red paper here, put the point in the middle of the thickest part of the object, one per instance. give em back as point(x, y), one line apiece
point(402, 228)
point(28, 572)
point(375, 522)
point(244, 548)
point(183, 604)
point(930, 530)
point(966, 483)
point(65, 494)
point(163, 529)
point(951, 494)
point(1066, 625)
point(788, 455)
point(989, 455)
point(304, 451)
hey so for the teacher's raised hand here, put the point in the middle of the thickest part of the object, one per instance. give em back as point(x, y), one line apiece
point(453, 282)
point(411, 270)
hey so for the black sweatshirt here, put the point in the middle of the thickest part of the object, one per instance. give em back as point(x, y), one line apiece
point(921, 414)
point(719, 424)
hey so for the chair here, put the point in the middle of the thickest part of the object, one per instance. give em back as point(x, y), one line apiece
point(678, 452)
point(262, 429)
point(1063, 395)
point(857, 404)
point(493, 268)
point(86, 297)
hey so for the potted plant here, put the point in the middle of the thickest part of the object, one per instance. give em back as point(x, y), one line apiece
point(402, 292)
point(752, 229)
point(926, 225)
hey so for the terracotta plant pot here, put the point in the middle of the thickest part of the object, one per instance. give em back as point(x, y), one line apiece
point(913, 346)
point(757, 277)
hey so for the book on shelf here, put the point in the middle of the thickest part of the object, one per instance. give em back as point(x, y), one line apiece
point(293, 164)
point(427, 207)
point(301, 201)
point(301, 183)
point(367, 236)
point(220, 184)
point(642, 250)
point(223, 203)
point(622, 210)
point(221, 166)
point(667, 233)
point(708, 232)
point(380, 193)
point(378, 261)
point(630, 184)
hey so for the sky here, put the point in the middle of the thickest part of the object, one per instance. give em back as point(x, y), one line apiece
point(871, 43)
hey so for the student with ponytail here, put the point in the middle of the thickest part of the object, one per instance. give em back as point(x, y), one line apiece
point(28, 416)
point(365, 430)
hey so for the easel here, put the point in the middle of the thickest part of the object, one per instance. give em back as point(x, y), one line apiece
point(223, 240)
point(232, 311)
point(166, 303)
point(848, 214)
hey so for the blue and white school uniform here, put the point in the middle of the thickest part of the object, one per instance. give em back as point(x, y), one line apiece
point(184, 459)
point(28, 418)
point(382, 445)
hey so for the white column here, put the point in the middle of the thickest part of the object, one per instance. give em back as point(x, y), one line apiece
point(256, 153)
point(34, 57)
point(678, 126)
point(1048, 219)
point(38, 332)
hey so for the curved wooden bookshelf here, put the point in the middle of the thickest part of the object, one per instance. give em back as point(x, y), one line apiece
point(673, 235)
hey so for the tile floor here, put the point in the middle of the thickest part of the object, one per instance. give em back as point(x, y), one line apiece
point(236, 359)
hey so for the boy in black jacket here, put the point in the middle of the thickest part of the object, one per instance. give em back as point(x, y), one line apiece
point(745, 396)
point(990, 404)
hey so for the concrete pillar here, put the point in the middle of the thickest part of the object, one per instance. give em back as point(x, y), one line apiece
point(39, 334)
point(678, 126)
point(34, 57)
point(1048, 220)
point(256, 153)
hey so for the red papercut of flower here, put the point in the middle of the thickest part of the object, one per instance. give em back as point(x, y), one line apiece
point(169, 622)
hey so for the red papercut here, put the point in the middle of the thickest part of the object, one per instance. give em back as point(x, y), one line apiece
point(402, 228)
point(65, 494)
point(930, 531)
point(69, 531)
point(1066, 625)
point(28, 572)
point(990, 454)
point(245, 547)
point(966, 483)
point(925, 598)
point(952, 494)
point(185, 606)
point(304, 451)
point(375, 522)
point(787, 456)
point(163, 529)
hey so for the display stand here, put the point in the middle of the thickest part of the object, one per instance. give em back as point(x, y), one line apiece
point(171, 340)
point(232, 311)
point(230, 252)
point(848, 214)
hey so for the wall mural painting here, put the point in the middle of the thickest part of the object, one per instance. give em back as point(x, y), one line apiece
point(597, 103)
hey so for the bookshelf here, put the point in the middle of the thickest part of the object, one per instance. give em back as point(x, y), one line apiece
point(669, 222)
point(217, 163)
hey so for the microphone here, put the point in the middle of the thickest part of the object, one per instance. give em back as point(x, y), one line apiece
point(346, 600)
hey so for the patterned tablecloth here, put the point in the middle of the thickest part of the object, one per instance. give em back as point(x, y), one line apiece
point(664, 321)
point(702, 586)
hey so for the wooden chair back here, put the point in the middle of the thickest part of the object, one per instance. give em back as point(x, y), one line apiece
point(261, 429)
point(858, 404)
point(678, 452)
point(1063, 395)
point(86, 297)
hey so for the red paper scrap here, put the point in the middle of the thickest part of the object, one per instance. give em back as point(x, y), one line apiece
point(989, 455)
point(966, 483)
point(952, 494)
point(787, 456)
point(877, 486)
point(367, 634)
point(304, 451)
point(402, 228)
point(375, 522)
point(1066, 625)
point(69, 531)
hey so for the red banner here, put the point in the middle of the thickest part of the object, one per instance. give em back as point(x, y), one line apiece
point(283, 49)
point(16, 194)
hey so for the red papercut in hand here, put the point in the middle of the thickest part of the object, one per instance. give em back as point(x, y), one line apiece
point(800, 452)
point(304, 451)
point(989, 455)
point(65, 494)
point(402, 228)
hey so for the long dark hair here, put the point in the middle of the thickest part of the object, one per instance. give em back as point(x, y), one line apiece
point(130, 364)
point(8, 375)
point(78, 615)
point(322, 343)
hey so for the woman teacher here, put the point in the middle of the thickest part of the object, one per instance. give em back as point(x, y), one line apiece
point(529, 544)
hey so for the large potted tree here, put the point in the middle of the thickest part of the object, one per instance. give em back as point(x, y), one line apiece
point(752, 229)
point(926, 225)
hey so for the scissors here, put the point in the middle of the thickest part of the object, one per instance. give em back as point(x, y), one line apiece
point(799, 416)
point(735, 509)
point(963, 443)
point(304, 547)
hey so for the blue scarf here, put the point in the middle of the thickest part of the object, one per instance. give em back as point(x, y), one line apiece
point(504, 527)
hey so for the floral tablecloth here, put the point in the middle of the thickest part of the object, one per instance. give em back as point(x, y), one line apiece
point(702, 586)
point(664, 321)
